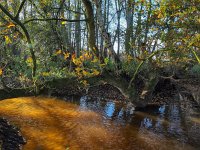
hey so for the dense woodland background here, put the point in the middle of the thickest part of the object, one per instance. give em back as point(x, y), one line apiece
point(43, 40)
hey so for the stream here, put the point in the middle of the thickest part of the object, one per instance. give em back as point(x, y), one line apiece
point(93, 124)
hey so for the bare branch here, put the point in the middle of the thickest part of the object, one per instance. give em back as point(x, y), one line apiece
point(7, 12)
point(16, 20)
point(51, 19)
point(61, 6)
point(20, 8)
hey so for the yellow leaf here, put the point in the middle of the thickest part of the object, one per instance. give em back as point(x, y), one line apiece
point(66, 55)
point(95, 60)
point(85, 83)
point(45, 74)
point(10, 25)
point(29, 60)
point(73, 56)
point(129, 58)
point(77, 61)
point(85, 73)
point(96, 72)
point(1, 71)
point(160, 15)
point(58, 52)
point(94, 48)
point(78, 69)
point(102, 65)
point(198, 20)
point(146, 52)
point(63, 23)
point(8, 41)
point(81, 58)
point(87, 56)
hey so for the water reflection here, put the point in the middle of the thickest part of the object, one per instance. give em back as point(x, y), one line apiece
point(147, 123)
point(174, 116)
point(83, 102)
point(165, 122)
point(102, 124)
point(109, 109)
point(161, 109)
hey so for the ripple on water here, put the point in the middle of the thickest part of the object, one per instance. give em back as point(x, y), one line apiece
point(49, 123)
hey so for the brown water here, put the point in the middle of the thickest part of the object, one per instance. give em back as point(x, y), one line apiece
point(53, 124)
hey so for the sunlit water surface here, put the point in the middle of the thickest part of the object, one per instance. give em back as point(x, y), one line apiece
point(53, 124)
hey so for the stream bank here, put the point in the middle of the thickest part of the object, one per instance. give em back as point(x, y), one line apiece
point(143, 92)
point(10, 136)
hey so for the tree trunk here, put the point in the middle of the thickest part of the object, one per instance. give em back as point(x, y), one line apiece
point(147, 22)
point(118, 9)
point(78, 31)
point(129, 29)
point(106, 36)
point(91, 26)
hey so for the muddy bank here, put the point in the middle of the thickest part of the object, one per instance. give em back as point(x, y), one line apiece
point(11, 93)
point(157, 90)
point(190, 87)
point(10, 136)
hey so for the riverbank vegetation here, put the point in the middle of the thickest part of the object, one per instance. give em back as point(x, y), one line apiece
point(43, 41)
